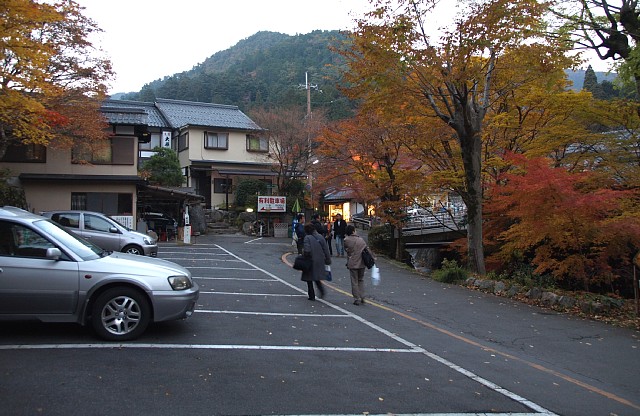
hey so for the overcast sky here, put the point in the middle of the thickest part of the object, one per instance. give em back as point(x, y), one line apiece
point(150, 39)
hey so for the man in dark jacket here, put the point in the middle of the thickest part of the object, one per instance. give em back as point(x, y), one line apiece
point(321, 229)
point(339, 231)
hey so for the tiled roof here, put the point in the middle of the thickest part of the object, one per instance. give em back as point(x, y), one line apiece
point(188, 113)
point(154, 117)
point(339, 194)
point(123, 115)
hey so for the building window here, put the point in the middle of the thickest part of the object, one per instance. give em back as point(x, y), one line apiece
point(216, 140)
point(79, 200)
point(153, 143)
point(115, 151)
point(98, 152)
point(25, 153)
point(257, 143)
point(183, 142)
point(221, 185)
point(109, 203)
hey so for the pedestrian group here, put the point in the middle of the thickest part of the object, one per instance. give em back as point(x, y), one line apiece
point(313, 241)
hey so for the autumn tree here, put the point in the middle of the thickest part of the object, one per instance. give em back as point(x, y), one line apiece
point(574, 226)
point(453, 76)
point(52, 80)
point(616, 151)
point(291, 134)
point(367, 154)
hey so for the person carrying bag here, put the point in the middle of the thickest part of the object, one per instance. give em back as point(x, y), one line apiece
point(315, 249)
point(354, 245)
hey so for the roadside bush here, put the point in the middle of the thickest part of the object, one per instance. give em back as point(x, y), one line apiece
point(10, 195)
point(450, 272)
point(524, 275)
point(380, 238)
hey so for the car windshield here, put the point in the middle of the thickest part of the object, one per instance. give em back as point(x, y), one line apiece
point(82, 248)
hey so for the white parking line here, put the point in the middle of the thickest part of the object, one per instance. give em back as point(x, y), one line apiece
point(498, 389)
point(253, 294)
point(218, 268)
point(410, 347)
point(134, 345)
point(314, 315)
point(191, 258)
point(235, 278)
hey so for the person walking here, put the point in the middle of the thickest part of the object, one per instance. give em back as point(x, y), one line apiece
point(354, 245)
point(329, 235)
point(299, 231)
point(315, 247)
point(321, 229)
point(339, 232)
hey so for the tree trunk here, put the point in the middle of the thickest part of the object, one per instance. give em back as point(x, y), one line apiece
point(470, 145)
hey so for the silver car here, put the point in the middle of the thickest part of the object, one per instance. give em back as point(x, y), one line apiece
point(105, 232)
point(49, 274)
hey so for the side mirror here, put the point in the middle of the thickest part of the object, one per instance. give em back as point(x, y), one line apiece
point(113, 230)
point(53, 253)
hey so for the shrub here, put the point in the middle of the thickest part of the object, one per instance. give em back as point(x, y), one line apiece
point(380, 238)
point(450, 272)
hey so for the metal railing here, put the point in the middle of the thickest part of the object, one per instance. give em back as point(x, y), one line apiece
point(436, 223)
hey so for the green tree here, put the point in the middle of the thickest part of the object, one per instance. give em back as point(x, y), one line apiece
point(247, 192)
point(10, 195)
point(163, 168)
point(591, 83)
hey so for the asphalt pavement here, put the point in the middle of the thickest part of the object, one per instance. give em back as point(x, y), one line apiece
point(257, 345)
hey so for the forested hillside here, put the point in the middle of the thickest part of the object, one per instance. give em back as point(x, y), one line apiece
point(265, 70)
point(268, 70)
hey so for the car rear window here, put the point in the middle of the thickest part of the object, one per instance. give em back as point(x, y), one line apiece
point(70, 220)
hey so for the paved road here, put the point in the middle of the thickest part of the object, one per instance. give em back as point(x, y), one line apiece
point(257, 345)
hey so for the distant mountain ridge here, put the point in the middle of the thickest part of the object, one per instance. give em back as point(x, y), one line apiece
point(268, 69)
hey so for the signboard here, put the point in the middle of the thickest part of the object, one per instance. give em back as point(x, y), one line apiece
point(272, 203)
point(166, 139)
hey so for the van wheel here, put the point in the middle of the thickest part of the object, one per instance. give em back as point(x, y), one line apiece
point(120, 314)
point(133, 250)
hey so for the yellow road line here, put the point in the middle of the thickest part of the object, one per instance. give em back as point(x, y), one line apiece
point(539, 367)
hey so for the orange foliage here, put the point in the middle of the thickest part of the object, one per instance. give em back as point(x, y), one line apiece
point(574, 226)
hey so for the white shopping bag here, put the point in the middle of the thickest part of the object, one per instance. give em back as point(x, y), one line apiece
point(375, 275)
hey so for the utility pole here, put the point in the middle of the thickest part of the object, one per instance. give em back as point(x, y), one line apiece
point(308, 117)
point(307, 86)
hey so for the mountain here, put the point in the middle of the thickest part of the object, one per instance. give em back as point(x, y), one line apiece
point(266, 69)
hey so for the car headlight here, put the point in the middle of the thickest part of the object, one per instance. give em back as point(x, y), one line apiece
point(148, 241)
point(180, 282)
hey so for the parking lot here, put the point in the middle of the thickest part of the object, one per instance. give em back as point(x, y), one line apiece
point(257, 345)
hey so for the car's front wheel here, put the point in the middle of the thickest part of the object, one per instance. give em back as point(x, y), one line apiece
point(120, 314)
point(133, 250)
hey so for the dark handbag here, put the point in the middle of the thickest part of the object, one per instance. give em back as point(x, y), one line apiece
point(303, 263)
point(367, 258)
